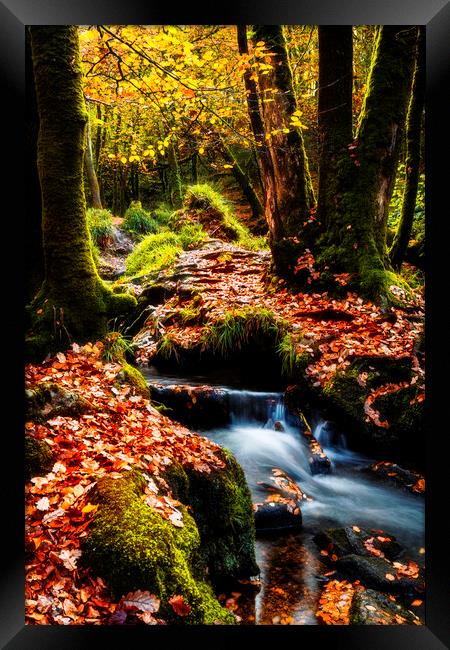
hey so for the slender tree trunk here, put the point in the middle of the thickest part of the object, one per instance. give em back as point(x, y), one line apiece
point(334, 114)
point(413, 131)
point(34, 252)
point(194, 168)
point(245, 184)
point(174, 178)
point(73, 302)
point(356, 233)
point(271, 212)
point(294, 193)
point(91, 174)
point(98, 136)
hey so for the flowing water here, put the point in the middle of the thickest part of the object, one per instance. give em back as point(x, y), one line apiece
point(291, 567)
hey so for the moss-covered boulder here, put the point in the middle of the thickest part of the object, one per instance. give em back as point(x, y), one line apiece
point(346, 393)
point(48, 400)
point(222, 508)
point(131, 546)
point(128, 374)
point(38, 457)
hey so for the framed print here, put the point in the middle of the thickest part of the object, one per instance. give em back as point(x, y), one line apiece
point(227, 221)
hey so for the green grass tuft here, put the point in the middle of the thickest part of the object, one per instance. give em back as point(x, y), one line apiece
point(100, 227)
point(139, 221)
point(239, 327)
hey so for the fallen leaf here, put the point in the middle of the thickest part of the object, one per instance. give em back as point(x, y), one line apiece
point(179, 606)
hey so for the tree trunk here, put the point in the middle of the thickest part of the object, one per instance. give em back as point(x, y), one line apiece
point(91, 175)
point(34, 252)
point(334, 114)
point(294, 194)
point(356, 233)
point(271, 212)
point(174, 178)
point(73, 303)
point(413, 131)
point(246, 186)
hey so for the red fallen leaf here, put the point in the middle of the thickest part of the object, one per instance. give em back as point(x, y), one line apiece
point(179, 606)
point(140, 601)
point(390, 577)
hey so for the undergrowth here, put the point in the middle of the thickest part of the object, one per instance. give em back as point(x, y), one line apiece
point(100, 227)
point(240, 327)
point(139, 221)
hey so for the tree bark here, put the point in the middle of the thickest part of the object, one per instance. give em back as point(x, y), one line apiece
point(356, 232)
point(413, 132)
point(91, 174)
point(73, 303)
point(334, 114)
point(265, 162)
point(174, 178)
point(294, 193)
point(34, 252)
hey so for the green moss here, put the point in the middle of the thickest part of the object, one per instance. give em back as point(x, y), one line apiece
point(134, 377)
point(405, 419)
point(293, 364)
point(133, 547)
point(38, 457)
point(48, 400)
point(344, 392)
point(222, 508)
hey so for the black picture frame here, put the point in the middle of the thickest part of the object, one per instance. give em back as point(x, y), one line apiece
point(14, 16)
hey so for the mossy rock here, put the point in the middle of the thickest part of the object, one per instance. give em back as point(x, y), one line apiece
point(222, 508)
point(38, 457)
point(131, 546)
point(128, 374)
point(345, 396)
point(48, 400)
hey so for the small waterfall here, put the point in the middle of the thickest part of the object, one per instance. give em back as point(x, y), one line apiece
point(329, 438)
point(253, 406)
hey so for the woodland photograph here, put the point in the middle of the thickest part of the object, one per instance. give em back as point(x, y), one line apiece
point(225, 325)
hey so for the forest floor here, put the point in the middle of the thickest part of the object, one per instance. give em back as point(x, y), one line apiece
point(122, 429)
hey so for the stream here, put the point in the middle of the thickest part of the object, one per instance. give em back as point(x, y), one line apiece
point(290, 564)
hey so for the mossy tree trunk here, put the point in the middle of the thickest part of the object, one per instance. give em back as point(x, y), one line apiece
point(34, 252)
point(288, 195)
point(73, 303)
point(94, 189)
point(413, 133)
point(355, 239)
point(294, 193)
point(334, 114)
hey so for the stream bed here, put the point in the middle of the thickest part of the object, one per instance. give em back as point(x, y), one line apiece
point(292, 572)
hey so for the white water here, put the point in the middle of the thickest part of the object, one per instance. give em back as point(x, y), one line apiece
point(346, 496)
